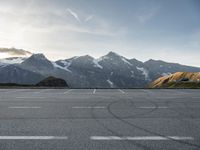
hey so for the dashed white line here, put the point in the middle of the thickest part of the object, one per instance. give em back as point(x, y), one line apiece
point(24, 107)
point(33, 138)
point(149, 107)
point(42, 91)
point(88, 107)
point(68, 91)
point(167, 97)
point(94, 91)
point(30, 97)
point(121, 91)
point(18, 90)
point(141, 138)
point(196, 97)
point(37, 92)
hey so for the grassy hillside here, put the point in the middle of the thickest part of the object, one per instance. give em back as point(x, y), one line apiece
point(178, 80)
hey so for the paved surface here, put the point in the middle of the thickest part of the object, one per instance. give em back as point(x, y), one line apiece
point(88, 119)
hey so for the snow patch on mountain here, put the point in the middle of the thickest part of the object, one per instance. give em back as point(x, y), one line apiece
point(144, 72)
point(102, 58)
point(132, 74)
point(64, 68)
point(14, 60)
point(110, 82)
point(126, 61)
point(96, 64)
point(65, 63)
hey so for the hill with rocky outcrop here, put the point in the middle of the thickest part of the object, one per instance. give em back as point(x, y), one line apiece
point(178, 80)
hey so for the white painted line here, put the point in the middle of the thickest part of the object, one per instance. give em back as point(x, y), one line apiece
point(121, 91)
point(167, 97)
point(141, 138)
point(94, 91)
point(68, 91)
point(162, 107)
point(149, 107)
point(30, 97)
point(88, 107)
point(196, 97)
point(18, 90)
point(24, 107)
point(42, 91)
point(33, 138)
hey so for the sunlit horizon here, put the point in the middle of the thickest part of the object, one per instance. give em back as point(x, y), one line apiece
point(165, 30)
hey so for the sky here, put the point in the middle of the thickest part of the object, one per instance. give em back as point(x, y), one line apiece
point(166, 30)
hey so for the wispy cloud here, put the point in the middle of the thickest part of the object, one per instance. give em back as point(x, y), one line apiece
point(147, 14)
point(15, 52)
point(146, 17)
point(75, 15)
point(89, 18)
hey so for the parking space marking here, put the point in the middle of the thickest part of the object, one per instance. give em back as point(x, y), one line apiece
point(149, 107)
point(94, 91)
point(141, 138)
point(68, 91)
point(24, 107)
point(18, 90)
point(121, 91)
point(30, 97)
point(33, 138)
point(196, 97)
point(89, 107)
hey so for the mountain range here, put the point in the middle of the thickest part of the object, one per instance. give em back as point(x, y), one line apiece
point(109, 71)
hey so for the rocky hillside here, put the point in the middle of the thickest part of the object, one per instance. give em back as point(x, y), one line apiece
point(178, 80)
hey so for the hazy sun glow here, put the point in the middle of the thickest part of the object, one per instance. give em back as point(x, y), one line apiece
point(66, 28)
point(4, 55)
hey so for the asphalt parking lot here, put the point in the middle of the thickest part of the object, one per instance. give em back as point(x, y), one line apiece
point(99, 119)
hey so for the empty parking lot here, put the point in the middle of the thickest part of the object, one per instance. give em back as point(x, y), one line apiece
point(99, 119)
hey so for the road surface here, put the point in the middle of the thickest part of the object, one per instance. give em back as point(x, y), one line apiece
point(99, 119)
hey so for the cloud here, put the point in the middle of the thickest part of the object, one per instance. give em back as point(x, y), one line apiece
point(146, 17)
point(146, 14)
point(15, 52)
point(89, 18)
point(74, 15)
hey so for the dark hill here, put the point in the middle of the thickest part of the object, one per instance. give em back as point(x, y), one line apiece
point(52, 82)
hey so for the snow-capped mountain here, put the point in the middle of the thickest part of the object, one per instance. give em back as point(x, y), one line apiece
point(109, 71)
point(38, 63)
point(13, 60)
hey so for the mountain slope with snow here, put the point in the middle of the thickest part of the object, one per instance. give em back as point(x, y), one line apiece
point(13, 60)
point(109, 71)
